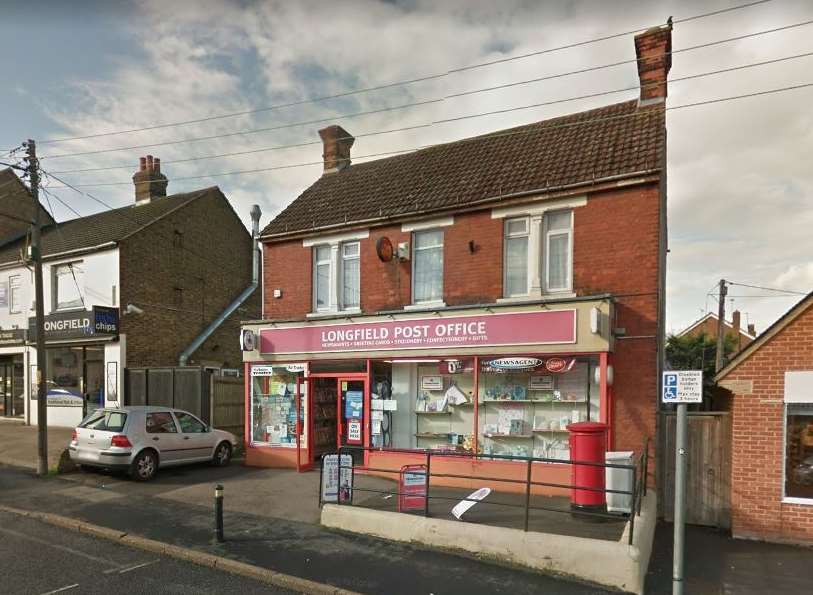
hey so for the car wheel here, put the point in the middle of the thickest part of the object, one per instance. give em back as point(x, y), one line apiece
point(222, 455)
point(144, 466)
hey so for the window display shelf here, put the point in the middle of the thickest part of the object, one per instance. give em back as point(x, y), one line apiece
point(513, 436)
point(433, 412)
point(531, 401)
point(443, 436)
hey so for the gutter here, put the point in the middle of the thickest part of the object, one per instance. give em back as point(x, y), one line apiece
point(244, 295)
point(621, 180)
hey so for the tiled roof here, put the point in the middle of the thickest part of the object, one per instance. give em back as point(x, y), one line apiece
point(16, 207)
point(108, 226)
point(579, 148)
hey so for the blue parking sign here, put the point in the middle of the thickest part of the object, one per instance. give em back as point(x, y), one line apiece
point(683, 386)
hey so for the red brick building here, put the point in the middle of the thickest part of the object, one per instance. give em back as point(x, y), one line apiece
point(740, 337)
point(526, 266)
point(772, 439)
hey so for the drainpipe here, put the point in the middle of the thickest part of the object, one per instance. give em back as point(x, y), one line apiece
point(231, 308)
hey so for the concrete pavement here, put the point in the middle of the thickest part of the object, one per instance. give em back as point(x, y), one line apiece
point(39, 558)
point(357, 563)
point(18, 444)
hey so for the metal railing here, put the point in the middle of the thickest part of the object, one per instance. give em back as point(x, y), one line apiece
point(639, 470)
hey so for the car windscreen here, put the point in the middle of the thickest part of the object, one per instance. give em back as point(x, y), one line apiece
point(109, 421)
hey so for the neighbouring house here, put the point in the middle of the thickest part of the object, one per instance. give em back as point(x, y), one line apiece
point(17, 211)
point(771, 382)
point(476, 296)
point(740, 337)
point(161, 282)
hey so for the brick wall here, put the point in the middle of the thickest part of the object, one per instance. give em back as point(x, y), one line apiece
point(615, 250)
point(616, 241)
point(181, 290)
point(758, 439)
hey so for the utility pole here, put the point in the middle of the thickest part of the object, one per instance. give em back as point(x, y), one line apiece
point(723, 292)
point(36, 256)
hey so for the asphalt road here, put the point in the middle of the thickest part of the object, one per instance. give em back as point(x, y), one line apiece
point(36, 558)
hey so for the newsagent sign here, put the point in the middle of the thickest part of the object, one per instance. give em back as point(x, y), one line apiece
point(515, 328)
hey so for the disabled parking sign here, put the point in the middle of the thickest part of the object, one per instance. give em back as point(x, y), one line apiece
point(682, 386)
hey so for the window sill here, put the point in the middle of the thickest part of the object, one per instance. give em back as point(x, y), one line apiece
point(802, 501)
point(519, 299)
point(334, 313)
point(425, 306)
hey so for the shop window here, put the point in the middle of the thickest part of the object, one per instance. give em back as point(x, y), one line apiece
point(558, 250)
point(427, 267)
point(799, 450)
point(273, 404)
point(67, 283)
point(425, 404)
point(161, 423)
point(190, 424)
point(524, 408)
point(516, 257)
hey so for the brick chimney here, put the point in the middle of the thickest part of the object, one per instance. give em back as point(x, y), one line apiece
point(735, 322)
point(752, 330)
point(336, 142)
point(149, 181)
point(653, 48)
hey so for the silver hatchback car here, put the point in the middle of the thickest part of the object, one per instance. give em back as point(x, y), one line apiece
point(142, 439)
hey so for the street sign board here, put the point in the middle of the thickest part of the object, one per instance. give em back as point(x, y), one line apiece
point(682, 386)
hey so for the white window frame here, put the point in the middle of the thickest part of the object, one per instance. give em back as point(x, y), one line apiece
point(330, 274)
point(430, 302)
point(507, 236)
point(550, 234)
point(72, 267)
point(15, 282)
point(344, 260)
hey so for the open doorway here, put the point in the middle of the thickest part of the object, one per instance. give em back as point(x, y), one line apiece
point(325, 399)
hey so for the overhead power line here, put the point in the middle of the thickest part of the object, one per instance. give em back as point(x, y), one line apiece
point(405, 82)
point(643, 113)
point(769, 288)
point(465, 117)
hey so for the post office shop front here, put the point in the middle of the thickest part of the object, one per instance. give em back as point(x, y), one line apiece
point(485, 381)
point(83, 357)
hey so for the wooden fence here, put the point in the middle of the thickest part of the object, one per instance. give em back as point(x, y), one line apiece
point(228, 404)
point(708, 479)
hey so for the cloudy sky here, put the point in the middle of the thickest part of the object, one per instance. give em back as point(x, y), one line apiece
point(740, 178)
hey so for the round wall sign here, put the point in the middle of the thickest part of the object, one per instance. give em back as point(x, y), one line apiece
point(557, 364)
point(383, 247)
point(249, 340)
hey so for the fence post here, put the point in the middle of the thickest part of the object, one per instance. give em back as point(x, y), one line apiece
point(633, 505)
point(527, 494)
point(426, 489)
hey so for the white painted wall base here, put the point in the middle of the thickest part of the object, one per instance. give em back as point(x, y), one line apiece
point(612, 564)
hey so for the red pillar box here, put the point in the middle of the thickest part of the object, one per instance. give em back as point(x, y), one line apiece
point(588, 443)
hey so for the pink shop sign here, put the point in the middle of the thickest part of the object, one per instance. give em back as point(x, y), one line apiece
point(515, 328)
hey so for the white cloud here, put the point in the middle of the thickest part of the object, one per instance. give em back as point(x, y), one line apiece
point(739, 180)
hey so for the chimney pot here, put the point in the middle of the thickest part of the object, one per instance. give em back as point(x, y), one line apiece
point(336, 143)
point(735, 321)
point(149, 181)
point(752, 330)
point(653, 49)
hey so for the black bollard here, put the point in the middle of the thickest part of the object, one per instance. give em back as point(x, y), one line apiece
point(219, 513)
